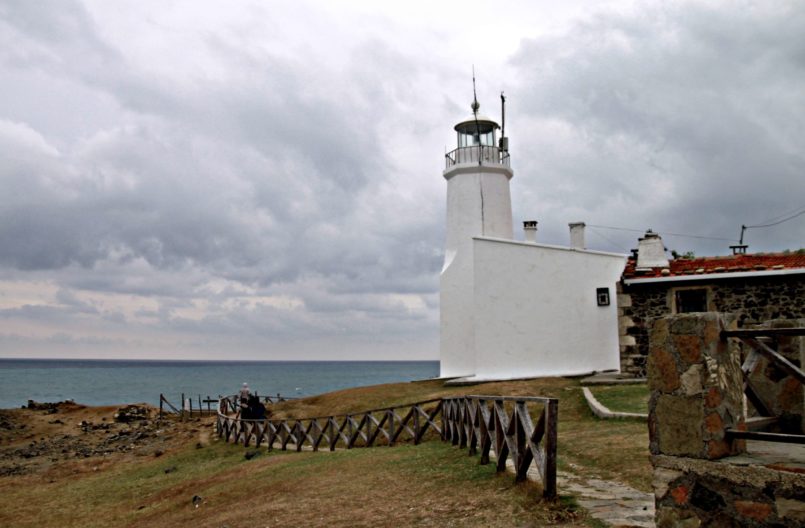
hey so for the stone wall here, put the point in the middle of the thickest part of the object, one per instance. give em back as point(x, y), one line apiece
point(696, 389)
point(753, 300)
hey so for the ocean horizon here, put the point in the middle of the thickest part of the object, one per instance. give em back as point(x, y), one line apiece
point(121, 381)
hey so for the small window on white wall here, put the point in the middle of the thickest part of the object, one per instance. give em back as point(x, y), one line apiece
point(690, 300)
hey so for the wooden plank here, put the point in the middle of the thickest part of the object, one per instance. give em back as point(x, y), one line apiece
point(472, 442)
point(333, 426)
point(355, 430)
point(299, 437)
point(776, 358)
point(378, 429)
point(757, 332)
point(486, 441)
point(551, 436)
point(534, 444)
point(392, 415)
point(750, 363)
point(258, 437)
point(341, 435)
point(522, 433)
point(759, 422)
point(501, 426)
point(272, 435)
point(766, 437)
point(755, 399)
point(402, 426)
point(430, 419)
point(285, 435)
point(316, 440)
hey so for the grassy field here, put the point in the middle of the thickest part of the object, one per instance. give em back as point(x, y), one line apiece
point(623, 398)
point(433, 484)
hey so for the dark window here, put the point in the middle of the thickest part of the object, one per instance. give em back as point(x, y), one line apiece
point(691, 301)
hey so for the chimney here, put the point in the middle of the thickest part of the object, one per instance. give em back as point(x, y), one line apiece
point(530, 230)
point(577, 235)
point(651, 252)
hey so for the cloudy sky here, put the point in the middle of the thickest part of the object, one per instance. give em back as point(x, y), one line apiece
point(262, 180)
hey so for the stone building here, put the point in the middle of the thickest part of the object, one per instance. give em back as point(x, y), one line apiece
point(757, 288)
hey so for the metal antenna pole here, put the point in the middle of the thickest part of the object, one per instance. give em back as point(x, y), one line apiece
point(475, 107)
point(502, 115)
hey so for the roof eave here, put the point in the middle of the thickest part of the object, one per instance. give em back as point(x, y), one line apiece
point(714, 276)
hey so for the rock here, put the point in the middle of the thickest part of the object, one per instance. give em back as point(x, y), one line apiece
point(197, 500)
point(132, 413)
point(170, 469)
point(251, 454)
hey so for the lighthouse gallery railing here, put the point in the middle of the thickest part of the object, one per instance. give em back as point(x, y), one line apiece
point(485, 154)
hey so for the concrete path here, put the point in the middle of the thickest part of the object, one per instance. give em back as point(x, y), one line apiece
point(611, 502)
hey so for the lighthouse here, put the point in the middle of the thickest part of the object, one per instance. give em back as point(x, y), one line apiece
point(516, 309)
point(477, 171)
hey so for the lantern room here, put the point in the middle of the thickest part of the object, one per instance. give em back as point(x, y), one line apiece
point(477, 131)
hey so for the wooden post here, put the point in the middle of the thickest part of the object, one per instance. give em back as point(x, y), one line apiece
point(551, 423)
point(161, 397)
point(181, 406)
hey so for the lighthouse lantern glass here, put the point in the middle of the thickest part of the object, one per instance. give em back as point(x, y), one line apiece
point(471, 135)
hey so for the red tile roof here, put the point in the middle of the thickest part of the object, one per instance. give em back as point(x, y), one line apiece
point(715, 265)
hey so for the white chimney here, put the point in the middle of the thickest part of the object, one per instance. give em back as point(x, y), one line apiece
point(530, 231)
point(577, 235)
point(651, 252)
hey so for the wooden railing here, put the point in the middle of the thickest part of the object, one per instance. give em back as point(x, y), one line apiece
point(494, 424)
point(484, 423)
point(187, 406)
point(757, 349)
point(391, 424)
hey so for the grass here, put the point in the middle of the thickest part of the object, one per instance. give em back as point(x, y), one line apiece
point(433, 484)
point(623, 398)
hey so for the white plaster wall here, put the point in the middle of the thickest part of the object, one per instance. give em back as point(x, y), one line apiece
point(478, 203)
point(457, 350)
point(536, 312)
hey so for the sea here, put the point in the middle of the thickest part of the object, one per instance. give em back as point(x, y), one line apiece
point(116, 382)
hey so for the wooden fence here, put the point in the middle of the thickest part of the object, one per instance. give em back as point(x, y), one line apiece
point(484, 423)
point(188, 406)
point(754, 339)
point(497, 425)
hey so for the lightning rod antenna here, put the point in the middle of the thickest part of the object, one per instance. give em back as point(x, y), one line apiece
point(502, 115)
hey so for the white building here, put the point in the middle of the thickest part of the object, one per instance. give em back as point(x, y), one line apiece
point(514, 309)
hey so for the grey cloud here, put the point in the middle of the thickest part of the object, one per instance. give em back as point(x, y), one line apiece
point(699, 97)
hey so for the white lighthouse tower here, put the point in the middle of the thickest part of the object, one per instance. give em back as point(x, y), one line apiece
point(478, 205)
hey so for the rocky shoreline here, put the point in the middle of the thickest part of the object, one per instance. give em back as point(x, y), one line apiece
point(41, 435)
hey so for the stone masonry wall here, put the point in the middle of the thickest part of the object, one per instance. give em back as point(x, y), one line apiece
point(696, 394)
point(696, 386)
point(754, 300)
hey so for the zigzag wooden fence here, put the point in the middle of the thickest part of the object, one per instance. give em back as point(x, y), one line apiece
point(497, 425)
point(483, 422)
point(408, 422)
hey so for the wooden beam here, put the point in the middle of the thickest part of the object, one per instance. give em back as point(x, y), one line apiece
point(776, 358)
point(766, 437)
point(551, 440)
point(756, 332)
